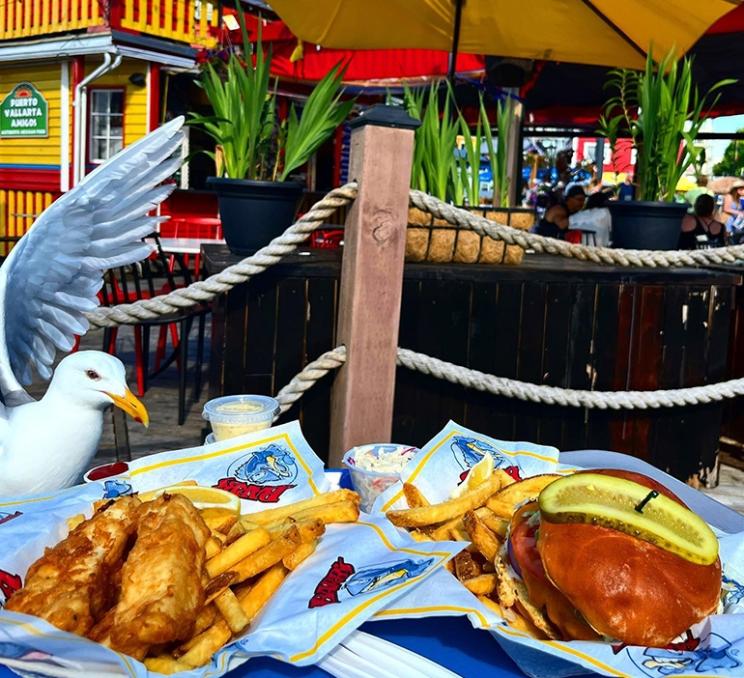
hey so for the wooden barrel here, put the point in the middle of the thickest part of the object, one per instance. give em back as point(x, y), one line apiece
point(547, 321)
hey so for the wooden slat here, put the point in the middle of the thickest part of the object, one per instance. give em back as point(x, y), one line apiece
point(11, 17)
point(74, 14)
point(203, 31)
point(46, 8)
point(142, 14)
point(530, 351)
point(3, 13)
point(55, 17)
point(321, 326)
point(168, 29)
point(28, 24)
point(180, 30)
point(407, 385)
point(11, 211)
point(155, 20)
point(64, 14)
point(290, 336)
point(260, 337)
point(3, 211)
point(85, 12)
point(94, 11)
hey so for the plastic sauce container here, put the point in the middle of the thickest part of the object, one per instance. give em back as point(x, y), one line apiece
point(234, 415)
point(105, 471)
point(376, 467)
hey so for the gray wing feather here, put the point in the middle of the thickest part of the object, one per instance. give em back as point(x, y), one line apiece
point(52, 276)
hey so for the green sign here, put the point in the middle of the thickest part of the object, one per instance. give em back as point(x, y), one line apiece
point(24, 113)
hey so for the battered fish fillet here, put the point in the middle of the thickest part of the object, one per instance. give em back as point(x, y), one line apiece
point(69, 585)
point(162, 587)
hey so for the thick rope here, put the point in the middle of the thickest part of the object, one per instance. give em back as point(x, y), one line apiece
point(512, 388)
point(205, 290)
point(597, 255)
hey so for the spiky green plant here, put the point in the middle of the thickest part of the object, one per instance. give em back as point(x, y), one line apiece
point(469, 161)
point(255, 145)
point(498, 156)
point(662, 111)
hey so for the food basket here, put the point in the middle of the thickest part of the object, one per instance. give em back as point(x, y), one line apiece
point(438, 241)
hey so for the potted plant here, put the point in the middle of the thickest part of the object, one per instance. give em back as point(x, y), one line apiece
point(662, 112)
point(256, 151)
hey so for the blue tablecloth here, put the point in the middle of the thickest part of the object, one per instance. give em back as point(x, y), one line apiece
point(449, 641)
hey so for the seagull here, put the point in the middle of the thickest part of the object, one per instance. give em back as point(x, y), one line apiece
point(47, 284)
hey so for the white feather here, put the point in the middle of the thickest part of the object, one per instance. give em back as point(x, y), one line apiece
point(53, 274)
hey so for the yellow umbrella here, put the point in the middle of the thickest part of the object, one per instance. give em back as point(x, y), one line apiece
point(601, 32)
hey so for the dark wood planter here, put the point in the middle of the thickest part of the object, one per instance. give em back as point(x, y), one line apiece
point(549, 321)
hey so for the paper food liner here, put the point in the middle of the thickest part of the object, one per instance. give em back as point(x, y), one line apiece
point(715, 646)
point(357, 570)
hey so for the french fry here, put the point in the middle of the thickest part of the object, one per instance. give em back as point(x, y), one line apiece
point(165, 664)
point(504, 477)
point(439, 513)
point(219, 519)
point(206, 644)
point(458, 533)
point(505, 586)
point(505, 501)
point(212, 547)
point(418, 535)
point(497, 525)
point(442, 532)
point(277, 514)
point(465, 566)
point(303, 551)
point(236, 531)
point(311, 530)
point(483, 539)
point(267, 556)
point(74, 521)
point(217, 585)
point(492, 605)
point(414, 497)
point(534, 616)
point(481, 585)
point(253, 598)
point(239, 550)
point(231, 611)
point(222, 538)
point(206, 617)
point(346, 511)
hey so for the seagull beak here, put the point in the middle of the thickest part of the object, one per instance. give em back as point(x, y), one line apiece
point(130, 404)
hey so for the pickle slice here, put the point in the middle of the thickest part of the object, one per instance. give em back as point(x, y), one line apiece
point(626, 506)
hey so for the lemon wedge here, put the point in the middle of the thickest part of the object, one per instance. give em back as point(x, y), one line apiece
point(477, 475)
point(200, 497)
point(632, 508)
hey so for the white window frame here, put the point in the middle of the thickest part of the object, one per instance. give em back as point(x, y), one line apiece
point(107, 114)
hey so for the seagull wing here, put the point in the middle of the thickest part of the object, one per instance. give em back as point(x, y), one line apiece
point(52, 276)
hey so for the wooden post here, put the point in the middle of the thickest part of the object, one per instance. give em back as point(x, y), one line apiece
point(371, 279)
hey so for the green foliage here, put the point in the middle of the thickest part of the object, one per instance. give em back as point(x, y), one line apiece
point(662, 111)
point(442, 169)
point(732, 163)
point(245, 125)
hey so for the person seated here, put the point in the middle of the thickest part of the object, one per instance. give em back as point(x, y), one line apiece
point(555, 221)
point(594, 221)
point(702, 227)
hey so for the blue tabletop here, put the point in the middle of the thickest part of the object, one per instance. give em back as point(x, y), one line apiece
point(449, 641)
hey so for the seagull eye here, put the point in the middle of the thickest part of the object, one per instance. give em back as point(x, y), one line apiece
point(92, 374)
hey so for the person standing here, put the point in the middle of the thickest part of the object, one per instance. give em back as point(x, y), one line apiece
point(733, 209)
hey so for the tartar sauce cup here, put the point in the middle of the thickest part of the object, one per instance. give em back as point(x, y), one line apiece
point(376, 467)
point(234, 415)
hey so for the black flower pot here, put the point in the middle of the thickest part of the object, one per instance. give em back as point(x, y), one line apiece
point(640, 225)
point(254, 212)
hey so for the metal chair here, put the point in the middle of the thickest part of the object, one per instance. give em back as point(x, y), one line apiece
point(144, 280)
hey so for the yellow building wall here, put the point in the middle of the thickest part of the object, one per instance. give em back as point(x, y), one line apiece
point(18, 210)
point(34, 150)
point(135, 98)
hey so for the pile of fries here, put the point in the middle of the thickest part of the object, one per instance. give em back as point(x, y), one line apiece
point(246, 559)
point(481, 515)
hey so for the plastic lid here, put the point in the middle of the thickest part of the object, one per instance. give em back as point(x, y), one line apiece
point(241, 409)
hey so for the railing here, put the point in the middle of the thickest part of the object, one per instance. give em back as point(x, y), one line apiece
point(191, 21)
point(26, 18)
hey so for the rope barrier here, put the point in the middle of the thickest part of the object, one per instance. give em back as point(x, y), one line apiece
point(597, 255)
point(203, 291)
point(513, 388)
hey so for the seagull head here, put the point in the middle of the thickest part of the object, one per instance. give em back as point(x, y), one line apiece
point(96, 380)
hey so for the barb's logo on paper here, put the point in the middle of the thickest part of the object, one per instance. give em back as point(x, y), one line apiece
point(6, 517)
point(263, 475)
point(343, 581)
point(9, 584)
point(469, 451)
point(710, 654)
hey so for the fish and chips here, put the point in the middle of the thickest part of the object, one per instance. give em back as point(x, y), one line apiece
point(169, 580)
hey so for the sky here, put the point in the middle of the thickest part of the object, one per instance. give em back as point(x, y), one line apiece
point(725, 124)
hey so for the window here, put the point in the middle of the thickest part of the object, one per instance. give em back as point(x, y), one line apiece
point(106, 123)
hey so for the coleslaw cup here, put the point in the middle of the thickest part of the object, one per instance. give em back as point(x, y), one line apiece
point(375, 467)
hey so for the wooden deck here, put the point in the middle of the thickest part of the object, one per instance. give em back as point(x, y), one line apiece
point(165, 434)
